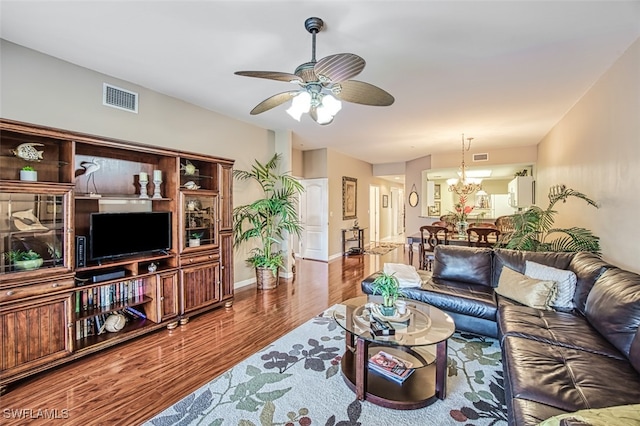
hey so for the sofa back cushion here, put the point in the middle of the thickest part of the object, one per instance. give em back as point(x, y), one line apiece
point(515, 259)
point(466, 264)
point(613, 308)
point(588, 267)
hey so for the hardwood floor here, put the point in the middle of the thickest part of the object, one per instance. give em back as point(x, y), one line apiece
point(132, 382)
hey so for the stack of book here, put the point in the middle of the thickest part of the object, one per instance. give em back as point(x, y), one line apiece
point(390, 366)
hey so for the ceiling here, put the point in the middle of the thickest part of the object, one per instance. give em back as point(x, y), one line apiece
point(502, 72)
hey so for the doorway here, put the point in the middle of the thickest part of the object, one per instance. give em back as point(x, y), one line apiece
point(314, 218)
point(374, 214)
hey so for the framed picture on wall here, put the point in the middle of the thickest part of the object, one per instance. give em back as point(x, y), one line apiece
point(349, 198)
point(435, 209)
point(436, 191)
point(385, 201)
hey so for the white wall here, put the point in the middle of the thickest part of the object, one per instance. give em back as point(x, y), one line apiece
point(595, 149)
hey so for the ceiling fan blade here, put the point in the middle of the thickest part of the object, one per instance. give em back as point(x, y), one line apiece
point(340, 67)
point(273, 102)
point(363, 93)
point(272, 75)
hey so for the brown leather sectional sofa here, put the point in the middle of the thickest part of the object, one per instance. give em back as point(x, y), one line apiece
point(554, 361)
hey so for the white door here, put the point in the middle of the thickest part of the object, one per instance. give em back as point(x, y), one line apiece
point(314, 216)
point(374, 214)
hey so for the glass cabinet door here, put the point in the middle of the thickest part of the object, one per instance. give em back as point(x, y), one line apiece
point(199, 219)
point(32, 230)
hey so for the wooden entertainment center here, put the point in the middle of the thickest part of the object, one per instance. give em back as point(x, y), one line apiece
point(53, 312)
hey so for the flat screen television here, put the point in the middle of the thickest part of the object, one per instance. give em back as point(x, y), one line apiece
point(117, 235)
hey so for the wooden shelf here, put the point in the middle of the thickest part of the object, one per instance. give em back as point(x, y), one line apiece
point(89, 313)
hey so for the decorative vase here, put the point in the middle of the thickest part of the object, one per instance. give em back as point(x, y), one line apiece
point(265, 279)
point(462, 229)
point(29, 175)
point(387, 311)
point(194, 242)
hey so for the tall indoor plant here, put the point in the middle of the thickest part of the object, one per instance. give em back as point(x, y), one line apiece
point(534, 229)
point(267, 219)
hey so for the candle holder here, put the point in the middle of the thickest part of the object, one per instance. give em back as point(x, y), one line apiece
point(156, 188)
point(143, 188)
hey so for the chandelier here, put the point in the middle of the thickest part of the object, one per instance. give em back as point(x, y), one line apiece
point(464, 185)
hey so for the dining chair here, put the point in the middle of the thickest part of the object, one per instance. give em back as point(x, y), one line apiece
point(430, 237)
point(479, 237)
point(506, 226)
point(483, 225)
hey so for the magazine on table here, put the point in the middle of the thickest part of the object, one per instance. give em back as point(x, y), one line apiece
point(390, 366)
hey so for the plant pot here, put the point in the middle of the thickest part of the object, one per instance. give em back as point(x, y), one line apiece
point(388, 311)
point(29, 175)
point(27, 265)
point(265, 279)
point(194, 242)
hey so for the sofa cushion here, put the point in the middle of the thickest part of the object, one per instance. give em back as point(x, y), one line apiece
point(566, 378)
point(528, 291)
point(463, 298)
point(588, 267)
point(565, 280)
point(555, 328)
point(613, 307)
point(515, 260)
point(465, 264)
point(620, 415)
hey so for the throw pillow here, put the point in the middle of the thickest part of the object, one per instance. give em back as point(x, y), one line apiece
point(619, 415)
point(406, 275)
point(566, 281)
point(528, 291)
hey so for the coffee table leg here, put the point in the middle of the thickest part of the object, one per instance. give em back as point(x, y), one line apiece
point(362, 349)
point(441, 369)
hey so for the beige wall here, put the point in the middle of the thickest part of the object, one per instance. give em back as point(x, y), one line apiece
point(595, 149)
point(40, 89)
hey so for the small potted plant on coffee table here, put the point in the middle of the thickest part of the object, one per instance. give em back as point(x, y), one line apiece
point(388, 287)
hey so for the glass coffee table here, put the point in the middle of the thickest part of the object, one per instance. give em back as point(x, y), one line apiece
point(420, 337)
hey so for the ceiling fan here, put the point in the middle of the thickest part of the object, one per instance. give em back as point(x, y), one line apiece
point(323, 83)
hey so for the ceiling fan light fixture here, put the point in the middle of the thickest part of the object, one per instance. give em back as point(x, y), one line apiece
point(300, 104)
point(329, 77)
point(328, 109)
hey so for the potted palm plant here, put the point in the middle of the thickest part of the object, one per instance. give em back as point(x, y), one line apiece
point(534, 230)
point(388, 287)
point(268, 219)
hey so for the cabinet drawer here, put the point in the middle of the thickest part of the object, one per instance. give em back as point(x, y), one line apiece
point(199, 258)
point(13, 293)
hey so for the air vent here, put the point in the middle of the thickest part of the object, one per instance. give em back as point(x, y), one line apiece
point(481, 157)
point(119, 98)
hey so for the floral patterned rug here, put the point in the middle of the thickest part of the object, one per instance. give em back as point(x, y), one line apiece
point(297, 381)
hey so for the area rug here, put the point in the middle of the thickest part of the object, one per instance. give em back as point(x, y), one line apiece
point(382, 248)
point(297, 381)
